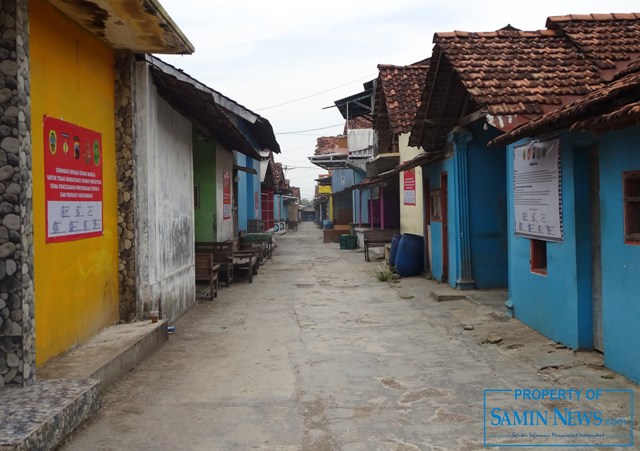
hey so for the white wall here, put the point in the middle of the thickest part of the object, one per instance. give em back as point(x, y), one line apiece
point(411, 216)
point(224, 162)
point(164, 202)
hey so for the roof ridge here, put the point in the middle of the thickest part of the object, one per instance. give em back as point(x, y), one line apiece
point(496, 34)
point(593, 17)
point(393, 66)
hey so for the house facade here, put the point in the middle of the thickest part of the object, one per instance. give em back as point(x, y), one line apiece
point(575, 282)
point(67, 183)
point(397, 98)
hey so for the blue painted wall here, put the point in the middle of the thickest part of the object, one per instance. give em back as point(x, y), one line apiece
point(558, 304)
point(487, 200)
point(619, 151)
point(359, 176)
point(248, 185)
point(243, 208)
point(487, 210)
point(433, 172)
point(341, 179)
point(279, 212)
point(253, 186)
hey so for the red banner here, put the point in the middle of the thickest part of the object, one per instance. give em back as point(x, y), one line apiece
point(73, 181)
point(226, 195)
point(410, 187)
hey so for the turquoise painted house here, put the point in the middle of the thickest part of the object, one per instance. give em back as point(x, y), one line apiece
point(247, 176)
point(465, 211)
point(581, 289)
point(478, 87)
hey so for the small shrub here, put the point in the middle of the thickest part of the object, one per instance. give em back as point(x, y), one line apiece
point(384, 274)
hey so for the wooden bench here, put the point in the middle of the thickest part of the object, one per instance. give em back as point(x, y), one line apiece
point(266, 239)
point(259, 248)
point(222, 254)
point(248, 259)
point(228, 255)
point(207, 271)
point(292, 225)
point(377, 238)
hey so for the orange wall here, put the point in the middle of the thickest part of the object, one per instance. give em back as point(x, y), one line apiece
point(76, 283)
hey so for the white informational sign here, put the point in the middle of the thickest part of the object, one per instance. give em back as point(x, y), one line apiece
point(73, 218)
point(537, 190)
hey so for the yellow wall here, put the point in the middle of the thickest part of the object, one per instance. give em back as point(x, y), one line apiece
point(326, 189)
point(411, 216)
point(76, 282)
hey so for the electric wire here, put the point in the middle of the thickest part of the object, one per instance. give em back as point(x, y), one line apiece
point(317, 93)
point(341, 124)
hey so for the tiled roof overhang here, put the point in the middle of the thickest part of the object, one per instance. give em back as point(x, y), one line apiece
point(195, 102)
point(444, 102)
point(509, 74)
point(610, 41)
point(142, 26)
point(398, 97)
point(611, 107)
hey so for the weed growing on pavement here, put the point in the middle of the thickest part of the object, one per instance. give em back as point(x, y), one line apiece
point(384, 273)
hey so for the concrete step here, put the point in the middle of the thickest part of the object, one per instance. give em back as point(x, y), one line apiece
point(441, 296)
point(109, 355)
point(69, 388)
point(42, 415)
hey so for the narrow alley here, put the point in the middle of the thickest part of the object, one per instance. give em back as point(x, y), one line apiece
point(317, 354)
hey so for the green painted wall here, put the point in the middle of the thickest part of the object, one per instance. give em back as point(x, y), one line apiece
point(204, 177)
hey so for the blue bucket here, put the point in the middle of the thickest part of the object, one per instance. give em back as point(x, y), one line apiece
point(410, 257)
point(394, 249)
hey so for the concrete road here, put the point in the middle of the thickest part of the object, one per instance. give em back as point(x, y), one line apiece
point(317, 354)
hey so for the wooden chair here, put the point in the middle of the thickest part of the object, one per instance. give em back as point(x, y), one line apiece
point(222, 254)
point(207, 271)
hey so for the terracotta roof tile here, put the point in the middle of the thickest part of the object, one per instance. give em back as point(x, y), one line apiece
point(610, 40)
point(330, 144)
point(360, 122)
point(522, 73)
point(518, 72)
point(398, 97)
point(615, 104)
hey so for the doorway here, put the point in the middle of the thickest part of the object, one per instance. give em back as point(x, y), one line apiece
point(445, 226)
point(596, 250)
point(426, 223)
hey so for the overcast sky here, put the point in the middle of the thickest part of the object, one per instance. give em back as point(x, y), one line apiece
point(265, 53)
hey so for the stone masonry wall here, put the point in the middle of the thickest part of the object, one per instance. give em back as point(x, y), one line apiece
point(17, 344)
point(125, 71)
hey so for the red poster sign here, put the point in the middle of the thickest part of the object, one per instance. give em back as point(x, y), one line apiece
point(73, 181)
point(410, 187)
point(226, 195)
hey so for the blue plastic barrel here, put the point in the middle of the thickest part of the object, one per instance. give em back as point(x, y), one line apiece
point(394, 249)
point(410, 256)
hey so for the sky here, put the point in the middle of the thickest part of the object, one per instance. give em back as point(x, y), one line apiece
point(288, 60)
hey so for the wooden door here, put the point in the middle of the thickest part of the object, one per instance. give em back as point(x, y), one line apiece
point(445, 226)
